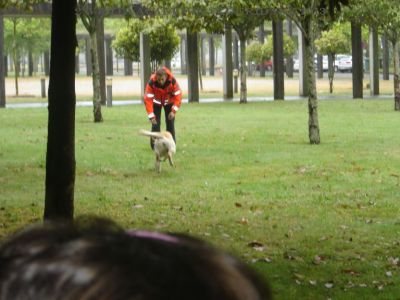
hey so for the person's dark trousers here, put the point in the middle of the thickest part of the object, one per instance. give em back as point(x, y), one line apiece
point(170, 123)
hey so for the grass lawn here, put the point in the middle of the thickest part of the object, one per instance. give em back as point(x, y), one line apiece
point(319, 221)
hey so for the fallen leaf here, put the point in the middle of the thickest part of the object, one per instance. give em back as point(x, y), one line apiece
point(263, 260)
point(394, 261)
point(244, 221)
point(317, 260)
point(289, 256)
point(298, 276)
point(225, 235)
point(255, 244)
point(259, 248)
point(351, 272)
point(302, 170)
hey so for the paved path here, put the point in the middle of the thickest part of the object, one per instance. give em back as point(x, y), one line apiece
point(130, 85)
point(208, 100)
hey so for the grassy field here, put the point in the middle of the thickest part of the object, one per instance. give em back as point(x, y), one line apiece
point(319, 221)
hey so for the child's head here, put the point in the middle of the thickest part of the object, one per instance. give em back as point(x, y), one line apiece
point(98, 260)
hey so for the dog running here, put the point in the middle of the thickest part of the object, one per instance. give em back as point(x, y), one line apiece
point(164, 146)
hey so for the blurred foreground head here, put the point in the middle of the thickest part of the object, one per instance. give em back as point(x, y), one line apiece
point(96, 259)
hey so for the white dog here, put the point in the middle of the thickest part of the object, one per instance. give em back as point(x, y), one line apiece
point(164, 146)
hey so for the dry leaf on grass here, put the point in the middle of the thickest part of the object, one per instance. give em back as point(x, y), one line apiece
point(256, 246)
point(318, 259)
point(351, 272)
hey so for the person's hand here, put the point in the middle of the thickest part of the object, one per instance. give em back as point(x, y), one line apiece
point(153, 121)
point(171, 115)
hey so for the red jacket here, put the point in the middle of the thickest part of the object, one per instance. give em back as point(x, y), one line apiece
point(169, 93)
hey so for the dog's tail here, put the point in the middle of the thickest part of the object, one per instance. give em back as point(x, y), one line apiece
point(156, 135)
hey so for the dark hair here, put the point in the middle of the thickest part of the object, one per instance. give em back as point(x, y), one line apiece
point(96, 259)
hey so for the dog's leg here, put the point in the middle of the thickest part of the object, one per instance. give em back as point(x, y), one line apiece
point(158, 164)
point(170, 159)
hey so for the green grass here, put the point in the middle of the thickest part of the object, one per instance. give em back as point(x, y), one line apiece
point(325, 213)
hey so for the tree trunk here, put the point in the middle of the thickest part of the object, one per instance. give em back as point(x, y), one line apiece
point(3, 65)
point(331, 70)
point(192, 65)
point(95, 78)
point(289, 60)
point(200, 63)
point(30, 63)
point(313, 124)
point(357, 68)
point(60, 156)
point(243, 70)
point(278, 60)
point(396, 75)
point(15, 57)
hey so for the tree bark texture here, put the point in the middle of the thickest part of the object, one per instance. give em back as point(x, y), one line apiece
point(97, 116)
point(278, 70)
point(243, 71)
point(357, 69)
point(60, 156)
point(313, 123)
point(3, 65)
point(385, 58)
point(16, 59)
point(261, 39)
point(396, 82)
point(101, 56)
point(331, 71)
point(192, 65)
point(227, 64)
point(289, 60)
point(211, 55)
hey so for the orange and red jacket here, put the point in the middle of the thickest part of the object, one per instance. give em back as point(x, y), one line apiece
point(169, 93)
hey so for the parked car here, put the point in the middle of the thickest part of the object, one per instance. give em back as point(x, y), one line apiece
point(268, 65)
point(296, 64)
point(344, 64)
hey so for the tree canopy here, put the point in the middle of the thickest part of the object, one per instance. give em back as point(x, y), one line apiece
point(164, 41)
